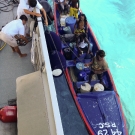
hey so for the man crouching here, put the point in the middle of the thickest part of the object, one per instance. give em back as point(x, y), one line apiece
point(10, 32)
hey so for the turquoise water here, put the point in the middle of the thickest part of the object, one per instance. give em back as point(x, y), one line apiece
point(113, 23)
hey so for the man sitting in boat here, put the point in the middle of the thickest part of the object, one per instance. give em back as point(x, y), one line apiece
point(25, 6)
point(73, 37)
point(74, 7)
point(98, 66)
point(83, 44)
point(82, 18)
point(63, 6)
point(80, 28)
point(83, 48)
point(11, 30)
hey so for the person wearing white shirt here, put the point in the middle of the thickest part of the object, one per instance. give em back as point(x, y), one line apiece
point(12, 31)
point(83, 44)
point(29, 5)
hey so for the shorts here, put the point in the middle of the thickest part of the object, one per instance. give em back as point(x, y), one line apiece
point(10, 40)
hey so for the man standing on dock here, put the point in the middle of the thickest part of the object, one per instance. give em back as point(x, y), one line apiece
point(12, 31)
point(26, 7)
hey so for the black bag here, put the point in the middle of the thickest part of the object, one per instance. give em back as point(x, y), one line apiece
point(21, 42)
point(67, 53)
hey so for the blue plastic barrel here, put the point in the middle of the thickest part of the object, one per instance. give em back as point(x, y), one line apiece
point(79, 66)
point(70, 21)
point(81, 76)
point(58, 63)
point(53, 41)
point(80, 71)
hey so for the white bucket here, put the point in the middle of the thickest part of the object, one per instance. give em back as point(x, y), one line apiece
point(57, 72)
point(85, 88)
point(62, 20)
point(98, 87)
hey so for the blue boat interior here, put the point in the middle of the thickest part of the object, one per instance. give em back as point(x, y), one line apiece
point(70, 62)
point(101, 109)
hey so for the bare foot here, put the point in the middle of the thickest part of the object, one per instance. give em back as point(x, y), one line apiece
point(23, 55)
point(13, 49)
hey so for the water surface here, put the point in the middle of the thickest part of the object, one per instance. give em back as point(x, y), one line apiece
point(113, 23)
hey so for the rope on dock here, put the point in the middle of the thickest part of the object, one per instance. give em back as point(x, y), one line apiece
point(3, 46)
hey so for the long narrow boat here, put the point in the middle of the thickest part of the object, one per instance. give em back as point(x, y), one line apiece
point(101, 111)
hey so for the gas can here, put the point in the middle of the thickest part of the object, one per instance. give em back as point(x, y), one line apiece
point(8, 114)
